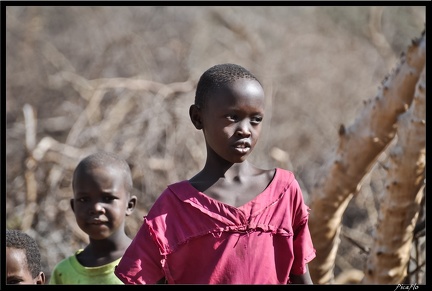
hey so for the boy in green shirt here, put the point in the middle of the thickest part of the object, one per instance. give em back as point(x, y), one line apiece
point(102, 185)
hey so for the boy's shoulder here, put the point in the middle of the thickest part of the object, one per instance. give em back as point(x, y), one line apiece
point(68, 261)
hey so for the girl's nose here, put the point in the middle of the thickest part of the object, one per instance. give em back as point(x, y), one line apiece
point(243, 128)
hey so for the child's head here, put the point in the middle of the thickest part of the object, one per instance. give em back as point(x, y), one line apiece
point(23, 259)
point(229, 108)
point(218, 77)
point(102, 185)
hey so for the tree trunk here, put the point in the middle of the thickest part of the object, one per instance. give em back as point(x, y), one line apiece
point(359, 146)
point(400, 204)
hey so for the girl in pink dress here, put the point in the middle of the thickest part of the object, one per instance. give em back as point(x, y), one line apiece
point(232, 223)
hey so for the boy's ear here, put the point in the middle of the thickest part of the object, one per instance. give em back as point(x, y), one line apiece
point(195, 116)
point(40, 279)
point(131, 205)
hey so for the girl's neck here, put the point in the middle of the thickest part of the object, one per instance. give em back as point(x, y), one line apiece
point(230, 171)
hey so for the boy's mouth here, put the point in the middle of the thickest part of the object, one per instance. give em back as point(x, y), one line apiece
point(97, 221)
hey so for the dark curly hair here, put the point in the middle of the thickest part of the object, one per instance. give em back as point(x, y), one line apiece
point(20, 240)
point(219, 76)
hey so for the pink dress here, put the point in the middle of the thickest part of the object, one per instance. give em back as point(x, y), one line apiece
point(190, 238)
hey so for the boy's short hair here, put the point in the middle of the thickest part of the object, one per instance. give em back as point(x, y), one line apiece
point(104, 159)
point(217, 77)
point(20, 240)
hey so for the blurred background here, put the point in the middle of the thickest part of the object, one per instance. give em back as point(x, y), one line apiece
point(86, 78)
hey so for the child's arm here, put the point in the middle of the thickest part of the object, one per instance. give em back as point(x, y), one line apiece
point(162, 281)
point(301, 279)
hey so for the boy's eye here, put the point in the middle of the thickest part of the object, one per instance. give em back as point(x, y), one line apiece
point(13, 281)
point(82, 199)
point(109, 198)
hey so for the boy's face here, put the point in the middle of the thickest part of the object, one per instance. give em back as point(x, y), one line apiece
point(17, 270)
point(231, 120)
point(100, 202)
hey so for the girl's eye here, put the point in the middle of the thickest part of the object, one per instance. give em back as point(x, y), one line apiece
point(256, 120)
point(253, 120)
point(232, 117)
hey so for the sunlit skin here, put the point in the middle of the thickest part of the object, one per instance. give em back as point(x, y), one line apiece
point(100, 205)
point(17, 270)
point(231, 122)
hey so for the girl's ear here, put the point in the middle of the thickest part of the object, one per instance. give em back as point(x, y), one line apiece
point(195, 116)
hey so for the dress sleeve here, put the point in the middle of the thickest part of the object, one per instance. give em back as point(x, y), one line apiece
point(304, 250)
point(141, 262)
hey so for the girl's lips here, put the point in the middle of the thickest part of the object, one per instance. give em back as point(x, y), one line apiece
point(242, 144)
point(242, 150)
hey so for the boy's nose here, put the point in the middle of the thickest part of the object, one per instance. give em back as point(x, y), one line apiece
point(97, 207)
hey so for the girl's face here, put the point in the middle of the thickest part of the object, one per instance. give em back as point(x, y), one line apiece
point(100, 202)
point(231, 120)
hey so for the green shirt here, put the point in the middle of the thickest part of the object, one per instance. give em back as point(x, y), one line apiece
point(70, 271)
